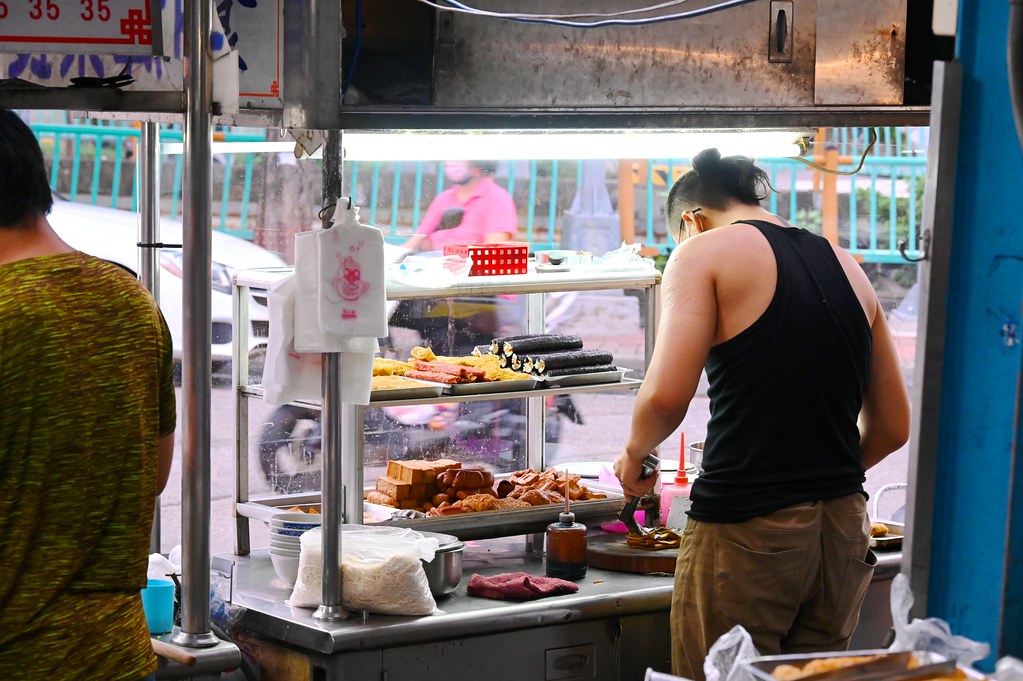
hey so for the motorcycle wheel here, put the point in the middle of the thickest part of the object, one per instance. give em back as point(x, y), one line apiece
point(289, 450)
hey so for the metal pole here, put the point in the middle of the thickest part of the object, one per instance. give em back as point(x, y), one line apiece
point(148, 155)
point(333, 490)
point(196, 373)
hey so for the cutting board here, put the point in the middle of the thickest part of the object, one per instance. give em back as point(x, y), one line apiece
point(609, 551)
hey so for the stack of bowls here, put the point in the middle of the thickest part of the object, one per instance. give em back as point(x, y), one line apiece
point(286, 530)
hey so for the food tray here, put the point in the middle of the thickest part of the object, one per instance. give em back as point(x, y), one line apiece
point(760, 668)
point(424, 389)
point(489, 387)
point(587, 379)
point(509, 523)
point(892, 540)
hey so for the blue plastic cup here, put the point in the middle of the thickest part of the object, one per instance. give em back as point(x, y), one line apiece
point(158, 603)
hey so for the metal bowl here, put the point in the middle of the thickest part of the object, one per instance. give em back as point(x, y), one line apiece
point(444, 572)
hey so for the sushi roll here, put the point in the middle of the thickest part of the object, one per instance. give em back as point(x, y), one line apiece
point(575, 371)
point(542, 363)
point(497, 344)
point(549, 342)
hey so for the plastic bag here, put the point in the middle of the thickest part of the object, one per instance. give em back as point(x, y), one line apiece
point(931, 635)
point(723, 661)
point(625, 258)
point(339, 290)
point(287, 375)
point(428, 271)
point(381, 568)
point(1008, 669)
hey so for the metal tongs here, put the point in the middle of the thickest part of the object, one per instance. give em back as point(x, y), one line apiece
point(628, 512)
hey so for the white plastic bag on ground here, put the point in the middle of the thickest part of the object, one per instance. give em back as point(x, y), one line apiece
point(931, 635)
point(724, 659)
point(381, 570)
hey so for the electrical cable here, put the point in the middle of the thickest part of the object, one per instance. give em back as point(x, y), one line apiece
point(355, 49)
point(830, 171)
point(461, 8)
point(638, 10)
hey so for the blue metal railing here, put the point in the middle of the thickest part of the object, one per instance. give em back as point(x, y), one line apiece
point(107, 146)
point(890, 175)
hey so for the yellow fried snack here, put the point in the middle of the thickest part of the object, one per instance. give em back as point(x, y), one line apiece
point(423, 354)
point(394, 383)
point(383, 366)
point(878, 530)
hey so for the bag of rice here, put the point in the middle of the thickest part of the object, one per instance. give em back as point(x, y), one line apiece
point(381, 570)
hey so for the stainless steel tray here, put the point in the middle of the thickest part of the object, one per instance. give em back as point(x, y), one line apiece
point(892, 540)
point(423, 390)
point(760, 668)
point(490, 387)
point(490, 524)
point(587, 379)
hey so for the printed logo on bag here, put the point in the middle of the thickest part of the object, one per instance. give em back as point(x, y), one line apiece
point(348, 281)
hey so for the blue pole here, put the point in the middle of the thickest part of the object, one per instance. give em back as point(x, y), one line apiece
point(976, 580)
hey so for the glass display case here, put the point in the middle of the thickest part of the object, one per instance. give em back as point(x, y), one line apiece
point(501, 428)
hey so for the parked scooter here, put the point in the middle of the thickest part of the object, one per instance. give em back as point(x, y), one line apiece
point(492, 431)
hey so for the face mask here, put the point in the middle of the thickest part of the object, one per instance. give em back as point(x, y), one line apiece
point(457, 172)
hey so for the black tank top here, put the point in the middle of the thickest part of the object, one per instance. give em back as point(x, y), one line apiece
point(786, 392)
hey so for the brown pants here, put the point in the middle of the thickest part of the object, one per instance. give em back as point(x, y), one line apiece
point(795, 579)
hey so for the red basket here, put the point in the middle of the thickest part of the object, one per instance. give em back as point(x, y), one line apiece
point(508, 257)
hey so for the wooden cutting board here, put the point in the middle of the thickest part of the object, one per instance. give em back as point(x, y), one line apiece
point(609, 551)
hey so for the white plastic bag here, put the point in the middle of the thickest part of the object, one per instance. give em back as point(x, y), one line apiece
point(288, 375)
point(381, 569)
point(340, 290)
point(931, 635)
point(725, 657)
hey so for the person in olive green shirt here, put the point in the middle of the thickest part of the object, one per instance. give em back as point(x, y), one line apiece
point(87, 419)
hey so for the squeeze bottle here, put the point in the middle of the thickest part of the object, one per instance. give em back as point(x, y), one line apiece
point(566, 544)
point(679, 488)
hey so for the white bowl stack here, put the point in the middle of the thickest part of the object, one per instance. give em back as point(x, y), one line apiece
point(286, 531)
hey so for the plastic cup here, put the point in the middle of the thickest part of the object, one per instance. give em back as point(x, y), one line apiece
point(158, 603)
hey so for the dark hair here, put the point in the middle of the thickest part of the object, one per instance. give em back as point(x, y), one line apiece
point(486, 167)
point(24, 188)
point(715, 183)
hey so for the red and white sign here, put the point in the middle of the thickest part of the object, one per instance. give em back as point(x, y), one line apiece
point(81, 26)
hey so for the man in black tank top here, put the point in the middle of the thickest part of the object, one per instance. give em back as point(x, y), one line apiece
point(806, 394)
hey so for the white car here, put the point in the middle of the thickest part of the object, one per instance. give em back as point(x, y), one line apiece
point(112, 234)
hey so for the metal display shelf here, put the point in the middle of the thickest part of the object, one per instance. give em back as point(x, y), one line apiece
point(470, 526)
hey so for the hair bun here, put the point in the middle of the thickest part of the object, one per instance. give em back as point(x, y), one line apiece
point(706, 161)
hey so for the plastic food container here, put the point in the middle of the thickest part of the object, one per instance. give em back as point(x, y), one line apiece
point(508, 257)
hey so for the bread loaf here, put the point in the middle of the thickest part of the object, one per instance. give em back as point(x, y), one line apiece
point(400, 490)
point(472, 478)
point(375, 497)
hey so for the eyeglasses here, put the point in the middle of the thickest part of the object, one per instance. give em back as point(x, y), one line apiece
point(682, 223)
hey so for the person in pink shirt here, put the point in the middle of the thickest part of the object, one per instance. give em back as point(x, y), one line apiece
point(474, 210)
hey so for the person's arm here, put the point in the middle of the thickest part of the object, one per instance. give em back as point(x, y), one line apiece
point(165, 461)
point(497, 237)
point(684, 337)
point(168, 410)
point(884, 417)
point(427, 226)
point(502, 220)
point(417, 242)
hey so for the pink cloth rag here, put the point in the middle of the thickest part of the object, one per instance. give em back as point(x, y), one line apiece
point(519, 585)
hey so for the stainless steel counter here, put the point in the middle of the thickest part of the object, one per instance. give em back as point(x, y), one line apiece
point(602, 594)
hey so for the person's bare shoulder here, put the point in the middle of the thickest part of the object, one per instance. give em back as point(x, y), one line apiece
point(861, 285)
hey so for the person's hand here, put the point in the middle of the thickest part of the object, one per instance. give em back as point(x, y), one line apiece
point(628, 470)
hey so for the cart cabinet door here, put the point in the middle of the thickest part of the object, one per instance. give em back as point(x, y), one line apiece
point(574, 652)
